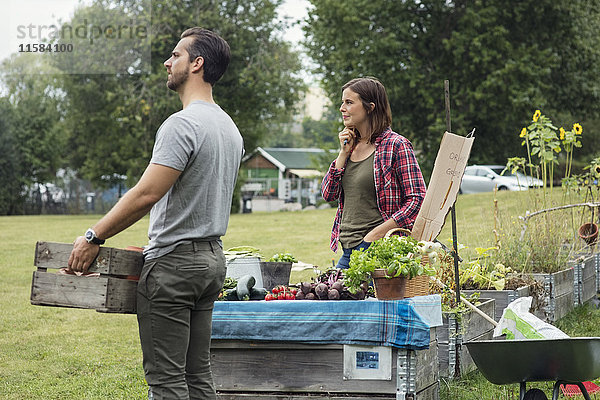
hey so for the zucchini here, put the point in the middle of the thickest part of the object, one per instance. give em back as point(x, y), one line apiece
point(230, 294)
point(244, 285)
point(258, 293)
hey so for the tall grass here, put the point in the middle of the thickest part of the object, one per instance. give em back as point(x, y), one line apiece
point(60, 353)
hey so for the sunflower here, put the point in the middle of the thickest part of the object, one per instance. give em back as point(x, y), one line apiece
point(562, 133)
point(523, 132)
point(577, 128)
point(597, 171)
point(536, 115)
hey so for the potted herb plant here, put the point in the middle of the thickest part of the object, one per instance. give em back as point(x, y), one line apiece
point(390, 262)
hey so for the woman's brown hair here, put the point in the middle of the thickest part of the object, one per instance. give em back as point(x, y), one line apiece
point(370, 90)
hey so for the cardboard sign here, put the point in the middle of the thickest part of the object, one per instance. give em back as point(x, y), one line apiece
point(443, 187)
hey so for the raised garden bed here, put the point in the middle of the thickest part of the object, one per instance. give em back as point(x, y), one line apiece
point(585, 277)
point(553, 295)
point(294, 371)
point(558, 294)
point(501, 298)
point(471, 326)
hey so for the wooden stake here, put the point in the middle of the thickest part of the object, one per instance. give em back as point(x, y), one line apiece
point(453, 209)
point(454, 237)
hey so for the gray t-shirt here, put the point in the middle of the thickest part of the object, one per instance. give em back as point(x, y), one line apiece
point(204, 143)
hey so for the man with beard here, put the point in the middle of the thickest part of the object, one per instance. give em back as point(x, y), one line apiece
point(188, 188)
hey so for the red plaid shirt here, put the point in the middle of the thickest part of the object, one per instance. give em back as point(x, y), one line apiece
point(399, 184)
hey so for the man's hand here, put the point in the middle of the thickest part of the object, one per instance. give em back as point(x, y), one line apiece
point(82, 255)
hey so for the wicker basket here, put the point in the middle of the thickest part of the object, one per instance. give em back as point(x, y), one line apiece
point(418, 285)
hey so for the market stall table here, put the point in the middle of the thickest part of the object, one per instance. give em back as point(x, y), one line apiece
point(351, 349)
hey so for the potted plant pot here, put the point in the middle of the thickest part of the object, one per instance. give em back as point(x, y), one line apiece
point(386, 287)
point(589, 233)
point(275, 273)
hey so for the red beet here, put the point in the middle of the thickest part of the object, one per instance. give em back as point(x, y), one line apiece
point(305, 287)
point(338, 285)
point(321, 291)
point(333, 294)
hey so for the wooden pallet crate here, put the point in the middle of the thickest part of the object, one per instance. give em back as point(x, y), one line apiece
point(112, 290)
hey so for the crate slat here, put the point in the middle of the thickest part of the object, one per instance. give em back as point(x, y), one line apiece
point(103, 293)
point(110, 261)
point(68, 290)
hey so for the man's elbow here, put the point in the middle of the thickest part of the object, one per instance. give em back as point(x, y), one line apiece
point(151, 198)
point(145, 199)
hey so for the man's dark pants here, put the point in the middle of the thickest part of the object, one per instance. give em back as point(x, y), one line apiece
point(175, 299)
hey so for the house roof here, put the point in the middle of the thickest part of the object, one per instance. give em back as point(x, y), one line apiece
point(290, 158)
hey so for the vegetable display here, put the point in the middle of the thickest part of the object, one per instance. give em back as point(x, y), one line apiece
point(330, 286)
point(282, 292)
point(242, 289)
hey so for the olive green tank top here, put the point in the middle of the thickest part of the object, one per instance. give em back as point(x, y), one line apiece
point(360, 214)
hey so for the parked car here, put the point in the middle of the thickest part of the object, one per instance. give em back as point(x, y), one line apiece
point(483, 178)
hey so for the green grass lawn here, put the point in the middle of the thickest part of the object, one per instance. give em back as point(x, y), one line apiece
point(60, 353)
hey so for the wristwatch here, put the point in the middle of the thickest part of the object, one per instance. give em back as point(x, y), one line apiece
point(91, 237)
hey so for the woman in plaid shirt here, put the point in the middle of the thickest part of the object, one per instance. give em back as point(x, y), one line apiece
point(375, 178)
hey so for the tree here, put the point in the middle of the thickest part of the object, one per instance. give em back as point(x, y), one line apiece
point(31, 138)
point(11, 183)
point(503, 59)
point(113, 118)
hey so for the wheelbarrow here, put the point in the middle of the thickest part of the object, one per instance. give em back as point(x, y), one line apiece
point(565, 361)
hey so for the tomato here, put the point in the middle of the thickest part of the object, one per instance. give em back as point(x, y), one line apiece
point(269, 297)
point(290, 296)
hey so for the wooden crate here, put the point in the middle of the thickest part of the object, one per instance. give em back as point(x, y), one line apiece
point(294, 371)
point(114, 290)
point(472, 326)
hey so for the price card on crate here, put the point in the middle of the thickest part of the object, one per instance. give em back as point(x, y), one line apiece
point(367, 362)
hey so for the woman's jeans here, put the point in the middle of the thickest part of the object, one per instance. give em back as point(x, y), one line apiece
point(344, 261)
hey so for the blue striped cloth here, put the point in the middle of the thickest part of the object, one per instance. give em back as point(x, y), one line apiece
point(374, 323)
